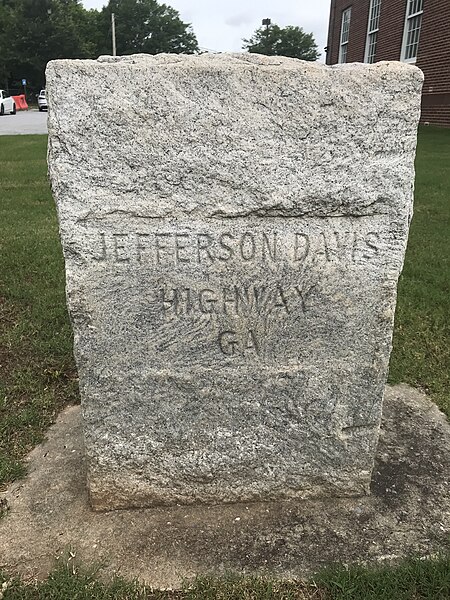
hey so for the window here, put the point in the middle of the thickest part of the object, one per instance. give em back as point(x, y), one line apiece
point(345, 30)
point(372, 31)
point(413, 23)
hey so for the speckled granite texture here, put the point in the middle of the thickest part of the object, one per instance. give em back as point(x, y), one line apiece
point(233, 228)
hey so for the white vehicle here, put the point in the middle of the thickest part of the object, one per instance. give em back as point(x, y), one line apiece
point(42, 101)
point(7, 104)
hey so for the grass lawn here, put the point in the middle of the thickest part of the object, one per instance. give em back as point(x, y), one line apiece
point(37, 371)
point(38, 375)
point(421, 355)
point(413, 580)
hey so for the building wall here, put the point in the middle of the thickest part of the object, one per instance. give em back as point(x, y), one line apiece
point(358, 31)
point(434, 60)
point(392, 25)
point(434, 47)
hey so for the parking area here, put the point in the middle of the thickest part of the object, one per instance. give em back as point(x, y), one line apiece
point(24, 122)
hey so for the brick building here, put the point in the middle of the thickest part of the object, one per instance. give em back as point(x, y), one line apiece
point(413, 31)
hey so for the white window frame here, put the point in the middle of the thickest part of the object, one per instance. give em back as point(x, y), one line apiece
point(372, 31)
point(345, 34)
point(408, 18)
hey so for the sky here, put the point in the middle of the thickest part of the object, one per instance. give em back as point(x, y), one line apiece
point(220, 25)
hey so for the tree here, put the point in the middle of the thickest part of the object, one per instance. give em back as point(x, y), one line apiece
point(6, 17)
point(147, 26)
point(278, 41)
point(32, 32)
point(43, 30)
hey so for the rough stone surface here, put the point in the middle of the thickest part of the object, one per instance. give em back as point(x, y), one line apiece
point(408, 513)
point(233, 227)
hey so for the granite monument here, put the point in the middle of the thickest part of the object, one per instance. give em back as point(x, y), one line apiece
point(233, 227)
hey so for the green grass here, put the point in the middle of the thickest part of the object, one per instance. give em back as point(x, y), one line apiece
point(411, 580)
point(37, 371)
point(38, 375)
point(421, 355)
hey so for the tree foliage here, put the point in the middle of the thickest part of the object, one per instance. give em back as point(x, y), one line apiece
point(289, 41)
point(6, 15)
point(41, 30)
point(147, 26)
point(32, 32)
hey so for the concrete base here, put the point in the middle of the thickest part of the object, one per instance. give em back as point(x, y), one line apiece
point(407, 513)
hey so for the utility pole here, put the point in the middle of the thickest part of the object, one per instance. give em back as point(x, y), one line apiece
point(113, 31)
point(267, 23)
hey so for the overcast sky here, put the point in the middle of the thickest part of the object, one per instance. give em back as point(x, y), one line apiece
point(221, 24)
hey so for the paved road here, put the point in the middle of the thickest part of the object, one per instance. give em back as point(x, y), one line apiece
point(27, 121)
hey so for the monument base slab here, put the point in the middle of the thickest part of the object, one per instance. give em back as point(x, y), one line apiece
point(407, 513)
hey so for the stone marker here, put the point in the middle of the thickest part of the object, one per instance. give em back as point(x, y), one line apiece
point(233, 227)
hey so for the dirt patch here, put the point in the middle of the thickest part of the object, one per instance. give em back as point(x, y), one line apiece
point(407, 514)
